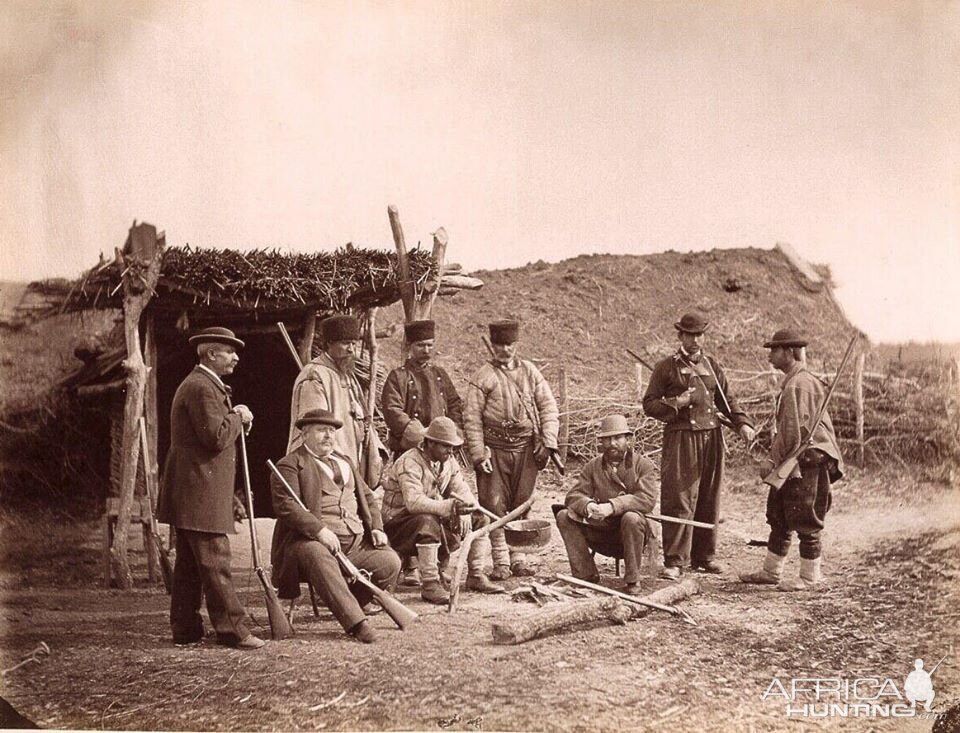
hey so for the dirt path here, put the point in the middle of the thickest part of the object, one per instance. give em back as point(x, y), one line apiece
point(892, 561)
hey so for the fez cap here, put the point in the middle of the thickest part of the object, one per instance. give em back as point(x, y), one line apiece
point(613, 425)
point(443, 430)
point(419, 331)
point(216, 335)
point(340, 328)
point(504, 332)
point(692, 323)
point(318, 417)
point(785, 337)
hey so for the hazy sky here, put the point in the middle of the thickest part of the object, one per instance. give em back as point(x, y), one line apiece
point(530, 130)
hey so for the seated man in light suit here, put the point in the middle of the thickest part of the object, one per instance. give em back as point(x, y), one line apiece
point(341, 507)
point(604, 511)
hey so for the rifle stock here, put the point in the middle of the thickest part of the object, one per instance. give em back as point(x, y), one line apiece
point(400, 614)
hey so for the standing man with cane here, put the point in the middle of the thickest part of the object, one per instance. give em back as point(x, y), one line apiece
point(196, 494)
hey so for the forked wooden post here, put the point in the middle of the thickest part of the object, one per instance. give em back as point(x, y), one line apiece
point(638, 373)
point(564, 437)
point(305, 347)
point(423, 308)
point(141, 257)
point(858, 398)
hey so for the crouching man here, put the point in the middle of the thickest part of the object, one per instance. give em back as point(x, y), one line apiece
point(341, 507)
point(428, 509)
point(604, 511)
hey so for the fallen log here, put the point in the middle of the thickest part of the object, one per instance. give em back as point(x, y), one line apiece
point(560, 616)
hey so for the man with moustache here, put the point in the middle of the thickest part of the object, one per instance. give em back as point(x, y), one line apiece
point(605, 510)
point(339, 509)
point(417, 392)
point(511, 423)
point(689, 393)
point(802, 503)
point(328, 382)
point(196, 494)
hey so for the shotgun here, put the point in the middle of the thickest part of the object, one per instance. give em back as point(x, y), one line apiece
point(673, 610)
point(779, 476)
point(400, 614)
point(280, 627)
point(554, 456)
point(150, 479)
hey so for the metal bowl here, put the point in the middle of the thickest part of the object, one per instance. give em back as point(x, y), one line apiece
point(527, 532)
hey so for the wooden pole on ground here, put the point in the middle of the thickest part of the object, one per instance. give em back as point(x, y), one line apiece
point(858, 398)
point(141, 256)
point(564, 437)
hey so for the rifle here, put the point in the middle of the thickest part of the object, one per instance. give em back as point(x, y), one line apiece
point(673, 610)
point(150, 479)
point(280, 627)
point(289, 342)
point(778, 476)
point(369, 448)
point(400, 614)
point(554, 457)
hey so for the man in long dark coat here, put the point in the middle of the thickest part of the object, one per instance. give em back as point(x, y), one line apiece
point(196, 494)
point(689, 393)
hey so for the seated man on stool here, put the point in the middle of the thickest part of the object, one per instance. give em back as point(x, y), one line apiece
point(340, 507)
point(604, 511)
point(428, 510)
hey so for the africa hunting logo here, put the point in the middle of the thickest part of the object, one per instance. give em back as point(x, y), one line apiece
point(861, 697)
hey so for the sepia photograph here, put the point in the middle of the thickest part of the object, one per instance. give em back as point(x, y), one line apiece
point(480, 365)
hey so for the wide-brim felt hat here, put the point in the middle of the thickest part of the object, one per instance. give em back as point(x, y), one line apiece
point(692, 323)
point(318, 417)
point(443, 430)
point(504, 332)
point(785, 337)
point(340, 328)
point(216, 335)
point(613, 425)
point(419, 331)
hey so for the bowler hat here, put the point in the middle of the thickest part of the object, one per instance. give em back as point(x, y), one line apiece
point(785, 337)
point(443, 430)
point(340, 328)
point(692, 323)
point(318, 417)
point(216, 335)
point(504, 332)
point(613, 425)
point(419, 331)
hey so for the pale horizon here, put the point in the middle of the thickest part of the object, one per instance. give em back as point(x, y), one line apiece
point(529, 131)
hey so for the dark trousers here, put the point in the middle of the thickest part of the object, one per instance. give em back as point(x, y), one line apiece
point(512, 482)
point(627, 540)
point(203, 568)
point(406, 532)
point(800, 506)
point(319, 566)
point(691, 470)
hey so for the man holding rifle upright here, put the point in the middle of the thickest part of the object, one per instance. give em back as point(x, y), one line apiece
point(511, 423)
point(801, 504)
point(335, 507)
point(689, 393)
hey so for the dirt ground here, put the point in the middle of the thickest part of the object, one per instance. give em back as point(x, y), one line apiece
point(892, 593)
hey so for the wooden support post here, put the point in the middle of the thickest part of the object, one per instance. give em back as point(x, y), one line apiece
point(424, 308)
point(150, 400)
point(638, 372)
point(142, 257)
point(564, 437)
point(405, 285)
point(858, 398)
point(305, 347)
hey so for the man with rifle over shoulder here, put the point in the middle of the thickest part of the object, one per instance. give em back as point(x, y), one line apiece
point(511, 423)
point(806, 453)
point(330, 510)
point(688, 392)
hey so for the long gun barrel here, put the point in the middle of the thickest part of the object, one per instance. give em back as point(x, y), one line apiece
point(400, 614)
point(778, 476)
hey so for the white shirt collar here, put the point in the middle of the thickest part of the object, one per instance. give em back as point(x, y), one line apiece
point(216, 377)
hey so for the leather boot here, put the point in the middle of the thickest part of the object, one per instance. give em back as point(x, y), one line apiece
point(810, 577)
point(501, 555)
point(769, 574)
point(431, 590)
point(480, 583)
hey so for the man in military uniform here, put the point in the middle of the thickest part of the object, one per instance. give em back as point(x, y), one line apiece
point(801, 504)
point(196, 494)
point(689, 393)
point(339, 510)
point(604, 511)
point(328, 382)
point(511, 423)
point(428, 508)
